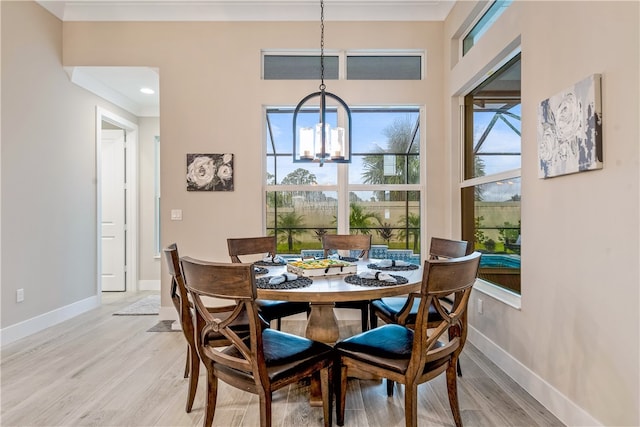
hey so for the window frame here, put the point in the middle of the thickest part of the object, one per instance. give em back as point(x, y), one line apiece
point(491, 15)
point(342, 187)
point(496, 291)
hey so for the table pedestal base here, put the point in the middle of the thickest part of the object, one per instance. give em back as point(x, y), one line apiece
point(322, 324)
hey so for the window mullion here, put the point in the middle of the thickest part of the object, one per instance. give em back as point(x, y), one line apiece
point(343, 199)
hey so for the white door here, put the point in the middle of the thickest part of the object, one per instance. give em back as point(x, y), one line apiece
point(113, 211)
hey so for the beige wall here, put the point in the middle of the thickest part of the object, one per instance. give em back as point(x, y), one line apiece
point(578, 328)
point(48, 170)
point(213, 98)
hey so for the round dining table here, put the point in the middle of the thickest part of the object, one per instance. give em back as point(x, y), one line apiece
point(325, 291)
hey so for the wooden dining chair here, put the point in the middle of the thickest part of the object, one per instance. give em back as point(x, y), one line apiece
point(261, 363)
point(403, 310)
point(184, 307)
point(265, 246)
point(350, 242)
point(413, 356)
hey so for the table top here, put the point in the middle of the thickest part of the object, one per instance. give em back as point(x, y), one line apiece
point(335, 289)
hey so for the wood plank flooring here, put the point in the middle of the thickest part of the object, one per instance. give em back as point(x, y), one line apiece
point(103, 370)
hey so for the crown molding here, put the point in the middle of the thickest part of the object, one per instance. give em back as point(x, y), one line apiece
point(248, 10)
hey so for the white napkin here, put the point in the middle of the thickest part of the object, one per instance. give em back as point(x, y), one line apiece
point(392, 263)
point(276, 259)
point(335, 257)
point(377, 275)
point(285, 277)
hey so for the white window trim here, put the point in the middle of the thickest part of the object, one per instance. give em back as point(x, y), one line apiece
point(501, 294)
point(343, 178)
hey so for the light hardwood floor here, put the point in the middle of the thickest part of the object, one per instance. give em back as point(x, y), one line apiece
point(103, 370)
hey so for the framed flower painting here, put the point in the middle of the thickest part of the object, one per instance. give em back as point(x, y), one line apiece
point(210, 172)
point(570, 130)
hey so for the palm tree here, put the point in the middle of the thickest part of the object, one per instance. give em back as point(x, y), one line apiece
point(411, 224)
point(385, 232)
point(289, 226)
point(406, 169)
point(359, 220)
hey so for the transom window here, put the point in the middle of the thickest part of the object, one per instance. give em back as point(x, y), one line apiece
point(484, 23)
point(359, 65)
point(378, 193)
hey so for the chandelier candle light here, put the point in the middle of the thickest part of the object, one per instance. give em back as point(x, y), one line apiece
point(322, 143)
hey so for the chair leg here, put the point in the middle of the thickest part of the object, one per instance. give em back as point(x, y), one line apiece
point(279, 323)
point(342, 395)
point(373, 319)
point(411, 405)
point(327, 395)
point(212, 395)
point(458, 369)
point(452, 391)
point(187, 366)
point(390, 384)
point(265, 409)
point(193, 379)
point(364, 318)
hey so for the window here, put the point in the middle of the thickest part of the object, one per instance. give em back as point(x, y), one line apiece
point(491, 188)
point(298, 66)
point(379, 193)
point(359, 65)
point(484, 23)
point(384, 67)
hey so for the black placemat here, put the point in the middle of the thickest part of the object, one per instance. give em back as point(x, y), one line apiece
point(300, 282)
point(260, 270)
point(270, 264)
point(348, 259)
point(357, 280)
point(394, 267)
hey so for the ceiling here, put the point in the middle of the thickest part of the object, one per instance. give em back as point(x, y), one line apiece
point(248, 10)
point(121, 85)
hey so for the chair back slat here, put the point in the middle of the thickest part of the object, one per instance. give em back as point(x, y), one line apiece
point(219, 280)
point(251, 246)
point(444, 277)
point(446, 248)
point(179, 294)
point(343, 242)
point(230, 281)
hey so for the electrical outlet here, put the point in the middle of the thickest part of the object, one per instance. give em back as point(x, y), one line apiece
point(480, 306)
point(19, 295)
point(176, 214)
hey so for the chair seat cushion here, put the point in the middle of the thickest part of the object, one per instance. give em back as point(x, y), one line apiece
point(283, 352)
point(388, 346)
point(391, 341)
point(390, 307)
point(282, 347)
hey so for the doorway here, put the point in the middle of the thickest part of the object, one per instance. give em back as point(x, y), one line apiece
point(117, 206)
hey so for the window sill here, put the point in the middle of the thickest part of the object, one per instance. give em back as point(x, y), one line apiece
point(507, 297)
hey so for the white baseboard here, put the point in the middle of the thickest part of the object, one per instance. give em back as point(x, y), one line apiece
point(551, 398)
point(36, 324)
point(149, 285)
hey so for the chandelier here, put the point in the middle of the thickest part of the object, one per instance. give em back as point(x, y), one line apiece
point(322, 143)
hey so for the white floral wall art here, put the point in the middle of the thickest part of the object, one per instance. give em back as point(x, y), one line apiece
point(210, 172)
point(570, 130)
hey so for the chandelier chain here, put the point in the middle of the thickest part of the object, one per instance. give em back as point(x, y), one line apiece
point(322, 85)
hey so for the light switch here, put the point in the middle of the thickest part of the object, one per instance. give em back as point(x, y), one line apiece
point(176, 214)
